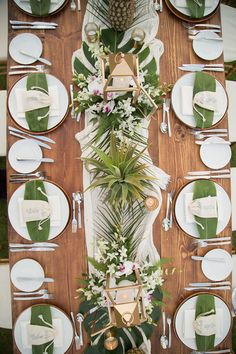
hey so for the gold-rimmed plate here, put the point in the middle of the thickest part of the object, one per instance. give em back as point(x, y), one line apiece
point(56, 6)
point(185, 312)
point(190, 228)
point(183, 13)
point(62, 323)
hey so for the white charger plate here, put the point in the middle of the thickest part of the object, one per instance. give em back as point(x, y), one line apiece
point(67, 330)
point(28, 42)
point(217, 271)
point(205, 48)
point(25, 5)
point(189, 304)
point(215, 156)
point(184, 10)
point(189, 120)
point(53, 121)
point(191, 228)
point(24, 148)
point(51, 189)
point(27, 268)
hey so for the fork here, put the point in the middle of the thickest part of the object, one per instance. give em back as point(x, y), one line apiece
point(44, 296)
point(199, 25)
point(167, 109)
point(74, 220)
point(193, 32)
point(36, 174)
point(76, 337)
point(201, 136)
point(40, 292)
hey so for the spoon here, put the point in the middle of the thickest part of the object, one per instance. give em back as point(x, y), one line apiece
point(78, 197)
point(164, 339)
point(163, 126)
point(73, 5)
point(203, 136)
point(166, 220)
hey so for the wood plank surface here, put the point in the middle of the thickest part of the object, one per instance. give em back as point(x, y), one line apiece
point(176, 156)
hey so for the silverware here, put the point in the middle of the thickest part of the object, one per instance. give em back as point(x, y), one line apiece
point(208, 176)
point(164, 339)
point(44, 280)
point(221, 351)
point(78, 197)
point(23, 180)
point(76, 337)
point(74, 220)
point(202, 244)
point(39, 67)
point(39, 292)
point(166, 220)
point(39, 137)
point(72, 5)
point(80, 319)
point(198, 142)
point(213, 239)
point(73, 115)
point(193, 32)
point(201, 136)
point(196, 132)
point(33, 249)
point(211, 284)
point(36, 244)
point(26, 298)
point(46, 146)
point(200, 68)
point(168, 320)
point(208, 288)
point(206, 38)
point(23, 72)
point(36, 27)
point(199, 25)
point(163, 125)
point(42, 60)
point(167, 110)
point(198, 258)
point(22, 175)
point(205, 66)
point(193, 173)
point(43, 159)
point(78, 5)
point(36, 23)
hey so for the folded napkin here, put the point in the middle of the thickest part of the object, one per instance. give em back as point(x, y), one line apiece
point(57, 325)
point(189, 317)
point(187, 101)
point(52, 1)
point(54, 100)
point(38, 230)
point(40, 7)
point(183, 3)
point(55, 206)
point(189, 217)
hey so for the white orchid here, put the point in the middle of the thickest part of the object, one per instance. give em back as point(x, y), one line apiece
point(126, 268)
point(95, 86)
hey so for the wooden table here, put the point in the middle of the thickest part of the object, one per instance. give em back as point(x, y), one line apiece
point(176, 156)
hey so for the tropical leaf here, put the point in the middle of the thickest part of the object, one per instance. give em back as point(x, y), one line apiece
point(80, 68)
point(88, 54)
point(196, 10)
point(97, 265)
point(111, 38)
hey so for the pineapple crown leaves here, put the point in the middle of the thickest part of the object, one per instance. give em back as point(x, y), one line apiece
point(120, 173)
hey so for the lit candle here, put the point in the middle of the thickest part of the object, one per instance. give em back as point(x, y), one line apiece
point(125, 295)
point(91, 31)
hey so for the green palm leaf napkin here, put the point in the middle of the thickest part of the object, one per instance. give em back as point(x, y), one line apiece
point(196, 8)
point(38, 312)
point(203, 82)
point(35, 190)
point(38, 80)
point(40, 7)
point(202, 189)
point(205, 303)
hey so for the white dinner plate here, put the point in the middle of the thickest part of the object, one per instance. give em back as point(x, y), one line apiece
point(66, 333)
point(205, 48)
point(51, 190)
point(190, 304)
point(53, 120)
point(189, 120)
point(28, 42)
point(27, 268)
point(217, 271)
point(24, 148)
point(185, 11)
point(215, 156)
point(191, 228)
point(25, 5)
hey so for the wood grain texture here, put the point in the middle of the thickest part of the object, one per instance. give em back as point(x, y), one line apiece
point(176, 156)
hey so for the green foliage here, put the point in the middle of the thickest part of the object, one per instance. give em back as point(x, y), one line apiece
point(80, 68)
point(40, 8)
point(195, 10)
point(233, 157)
point(120, 174)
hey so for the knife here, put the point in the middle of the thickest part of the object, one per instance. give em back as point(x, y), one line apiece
point(46, 146)
point(208, 288)
point(36, 244)
point(198, 258)
point(196, 132)
point(15, 22)
point(193, 173)
point(40, 137)
point(224, 238)
point(206, 38)
point(33, 27)
point(208, 176)
point(33, 249)
point(45, 280)
point(200, 68)
point(73, 115)
point(206, 65)
point(43, 159)
point(211, 284)
point(199, 142)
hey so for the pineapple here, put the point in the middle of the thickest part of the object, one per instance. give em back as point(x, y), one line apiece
point(135, 351)
point(121, 13)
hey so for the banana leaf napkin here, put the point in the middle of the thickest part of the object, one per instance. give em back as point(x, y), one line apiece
point(202, 189)
point(203, 82)
point(40, 7)
point(41, 316)
point(38, 230)
point(196, 8)
point(205, 303)
point(35, 124)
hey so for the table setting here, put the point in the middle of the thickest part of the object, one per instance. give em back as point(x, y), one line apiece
point(118, 177)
